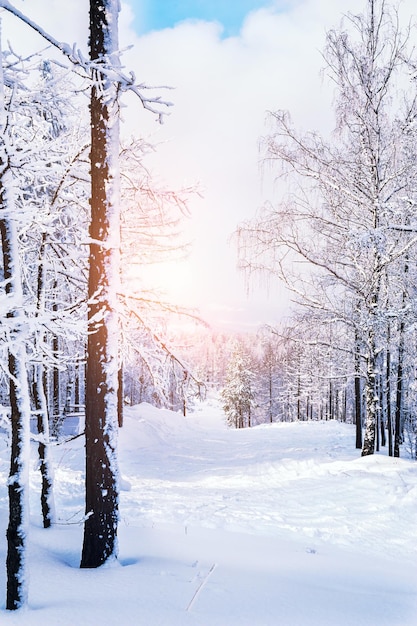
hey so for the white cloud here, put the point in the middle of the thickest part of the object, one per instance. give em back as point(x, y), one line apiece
point(223, 89)
point(65, 22)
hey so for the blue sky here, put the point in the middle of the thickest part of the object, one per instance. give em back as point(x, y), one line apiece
point(158, 14)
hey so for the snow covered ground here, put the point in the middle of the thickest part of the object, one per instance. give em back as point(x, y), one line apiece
point(281, 524)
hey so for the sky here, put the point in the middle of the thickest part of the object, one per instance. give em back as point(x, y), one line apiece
point(150, 15)
point(228, 63)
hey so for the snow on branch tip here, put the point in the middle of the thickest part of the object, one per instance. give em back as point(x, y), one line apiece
point(100, 69)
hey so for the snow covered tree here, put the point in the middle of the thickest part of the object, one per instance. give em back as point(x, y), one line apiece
point(101, 412)
point(17, 367)
point(100, 531)
point(268, 380)
point(345, 218)
point(100, 528)
point(36, 166)
point(237, 393)
point(151, 219)
point(51, 197)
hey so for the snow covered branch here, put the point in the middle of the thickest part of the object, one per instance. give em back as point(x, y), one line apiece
point(96, 69)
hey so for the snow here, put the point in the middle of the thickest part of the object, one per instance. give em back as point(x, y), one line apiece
point(279, 524)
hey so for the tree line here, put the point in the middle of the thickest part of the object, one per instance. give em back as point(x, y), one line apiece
point(295, 371)
point(342, 236)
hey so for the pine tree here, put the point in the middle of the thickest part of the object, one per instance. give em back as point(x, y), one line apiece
point(101, 408)
point(237, 393)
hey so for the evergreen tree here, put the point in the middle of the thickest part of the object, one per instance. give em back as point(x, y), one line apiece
point(237, 393)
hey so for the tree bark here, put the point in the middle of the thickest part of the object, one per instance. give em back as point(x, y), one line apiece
point(358, 410)
point(41, 405)
point(100, 528)
point(47, 498)
point(371, 400)
point(120, 396)
point(400, 370)
point(16, 595)
point(399, 393)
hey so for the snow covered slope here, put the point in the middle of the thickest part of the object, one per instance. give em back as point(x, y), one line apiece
point(281, 524)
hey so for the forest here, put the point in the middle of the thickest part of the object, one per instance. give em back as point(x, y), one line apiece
point(81, 218)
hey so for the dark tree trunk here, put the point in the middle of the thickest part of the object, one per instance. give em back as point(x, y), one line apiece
point(389, 417)
point(330, 411)
point(55, 383)
point(16, 595)
point(77, 396)
point(20, 416)
point(358, 412)
point(400, 371)
point(336, 412)
point(399, 393)
point(382, 410)
point(344, 405)
point(41, 405)
point(120, 397)
point(371, 399)
point(378, 413)
point(17, 528)
point(47, 505)
point(100, 528)
point(298, 398)
point(56, 392)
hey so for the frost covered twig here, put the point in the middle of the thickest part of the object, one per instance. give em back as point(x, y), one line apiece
point(96, 69)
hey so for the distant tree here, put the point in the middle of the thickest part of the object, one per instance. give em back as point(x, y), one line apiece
point(237, 394)
point(268, 379)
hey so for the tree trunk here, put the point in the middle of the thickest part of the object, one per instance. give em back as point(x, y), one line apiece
point(56, 391)
point(388, 391)
point(77, 395)
point(19, 406)
point(298, 398)
point(378, 413)
point(41, 404)
point(358, 410)
point(120, 396)
point(18, 482)
point(47, 498)
point(383, 406)
point(399, 393)
point(344, 405)
point(100, 528)
point(401, 350)
point(371, 400)
point(16, 596)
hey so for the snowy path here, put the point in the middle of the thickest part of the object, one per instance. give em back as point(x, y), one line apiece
point(301, 480)
point(278, 525)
